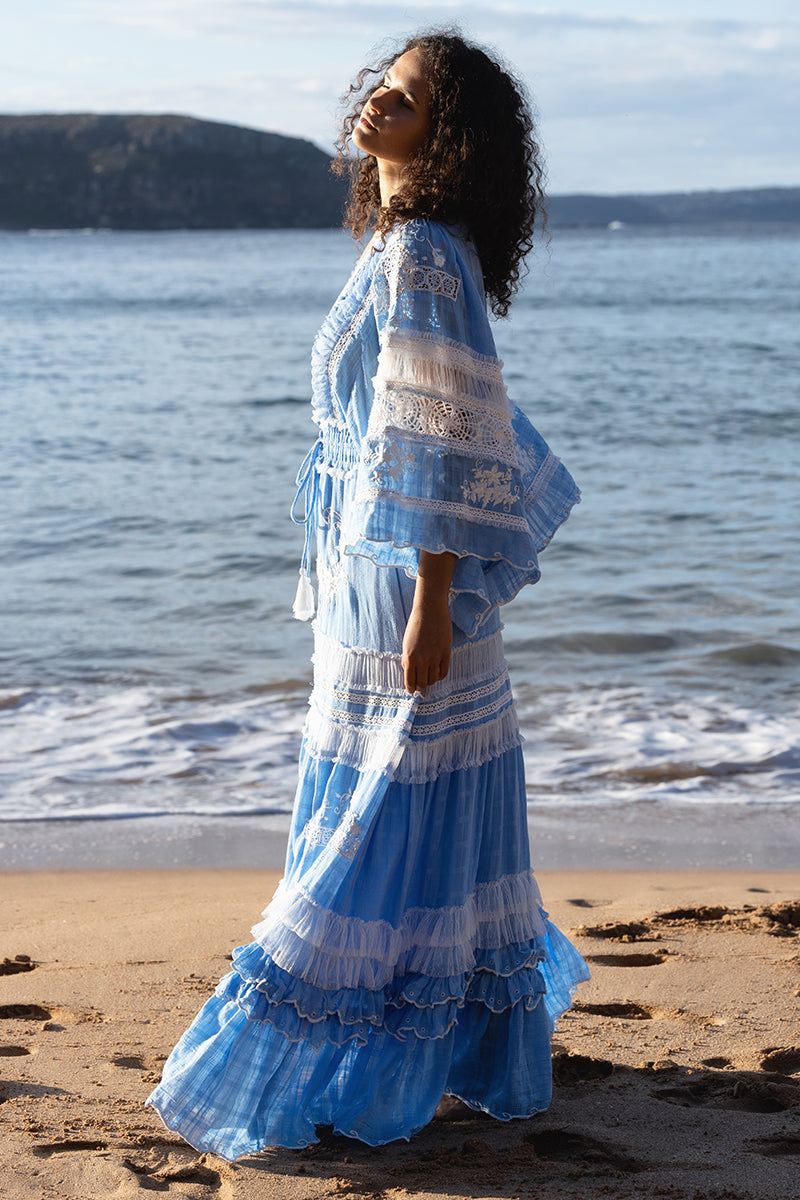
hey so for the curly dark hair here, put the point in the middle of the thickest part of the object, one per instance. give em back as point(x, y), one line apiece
point(480, 166)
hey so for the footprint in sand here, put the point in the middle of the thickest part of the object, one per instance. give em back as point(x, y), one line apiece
point(24, 1012)
point(18, 1090)
point(619, 931)
point(561, 1145)
point(781, 919)
point(653, 959)
point(746, 1091)
point(163, 1166)
point(700, 914)
point(16, 965)
point(622, 1009)
point(150, 1067)
point(783, 1059)
point(630, 1010)
point(780, 1145)
point(579, 1068)
point(13, 1051)
point(165, 1172)
point(55, 1019)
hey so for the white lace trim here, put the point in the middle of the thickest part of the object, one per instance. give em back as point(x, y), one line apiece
point(393, 732)
point(464, 512)
point(434, 388)
point(361, 695)
point(363, 749)
point(415, 761)
point(456, 425)
point(331, 951)
point(345, 839)
point(382, 671)
point(428, 360)
point(404, 273)
point(469, 696)
point(344, 341)
point(485, 714)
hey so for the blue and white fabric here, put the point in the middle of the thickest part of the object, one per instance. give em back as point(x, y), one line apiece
point(406, 954)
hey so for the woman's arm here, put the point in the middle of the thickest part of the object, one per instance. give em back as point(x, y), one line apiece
point(428, 639)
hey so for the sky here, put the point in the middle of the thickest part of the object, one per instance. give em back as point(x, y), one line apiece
point(633, 95)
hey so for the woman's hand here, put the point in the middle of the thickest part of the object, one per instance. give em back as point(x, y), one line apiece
point(428, 639)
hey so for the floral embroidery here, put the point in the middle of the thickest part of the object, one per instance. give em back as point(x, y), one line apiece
point(344, 799)
point(331, 575)
point(390, 462)
point(331, 569)
point(490, 486)
point(348, 840)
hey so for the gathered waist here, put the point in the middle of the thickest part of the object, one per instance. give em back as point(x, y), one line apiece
point(333, 453)
point(338, 454)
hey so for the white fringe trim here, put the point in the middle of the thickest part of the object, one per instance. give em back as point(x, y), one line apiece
point(382, 671)
point(441, 389)
point(425, 361)
point(381, 737)
point(407, 760)
point(331, 951)
point(361, 749)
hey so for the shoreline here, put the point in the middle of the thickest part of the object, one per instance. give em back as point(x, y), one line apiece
point(677, 1072)
point(637, 836)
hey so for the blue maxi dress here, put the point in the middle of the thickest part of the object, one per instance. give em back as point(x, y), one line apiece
point(406, 954)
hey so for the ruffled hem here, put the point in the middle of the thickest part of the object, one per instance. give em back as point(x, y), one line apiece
point(239, 1081)
point(331, 951)
point(427, 1007)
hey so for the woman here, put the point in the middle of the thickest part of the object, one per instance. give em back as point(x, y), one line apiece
point(406, 955)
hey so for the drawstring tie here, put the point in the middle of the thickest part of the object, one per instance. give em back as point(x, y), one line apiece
point(307, 490)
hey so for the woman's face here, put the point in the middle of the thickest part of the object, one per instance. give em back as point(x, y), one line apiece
point(395, 119)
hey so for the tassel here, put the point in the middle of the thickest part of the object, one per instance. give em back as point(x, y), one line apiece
point(303, 607)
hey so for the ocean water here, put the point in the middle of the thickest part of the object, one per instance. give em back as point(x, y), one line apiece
point(154, 411)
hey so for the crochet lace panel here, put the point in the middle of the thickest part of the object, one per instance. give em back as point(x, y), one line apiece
point(401, 272)
point(440, 392)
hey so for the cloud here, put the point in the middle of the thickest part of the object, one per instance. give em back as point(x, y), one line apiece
point(656, 97)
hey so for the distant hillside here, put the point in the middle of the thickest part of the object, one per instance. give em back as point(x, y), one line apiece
point(173, 172)
point(159, 172)
point(678, 208)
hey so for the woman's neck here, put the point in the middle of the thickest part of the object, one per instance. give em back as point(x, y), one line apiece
point(390, 180)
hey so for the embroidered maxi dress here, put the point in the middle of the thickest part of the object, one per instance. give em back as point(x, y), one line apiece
point(406, 954)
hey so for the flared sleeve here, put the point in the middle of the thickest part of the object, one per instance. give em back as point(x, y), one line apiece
point(447, 463)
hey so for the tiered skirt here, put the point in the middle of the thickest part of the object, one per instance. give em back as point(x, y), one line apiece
point(406, 954)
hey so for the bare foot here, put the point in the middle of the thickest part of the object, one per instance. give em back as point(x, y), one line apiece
point(450, 1108)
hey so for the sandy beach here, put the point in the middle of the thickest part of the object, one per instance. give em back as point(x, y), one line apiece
point(677, 1073)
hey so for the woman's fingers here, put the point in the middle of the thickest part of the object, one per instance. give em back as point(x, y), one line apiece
point(421, 675)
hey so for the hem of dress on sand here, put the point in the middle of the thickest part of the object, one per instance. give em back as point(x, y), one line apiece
point(475, 1105)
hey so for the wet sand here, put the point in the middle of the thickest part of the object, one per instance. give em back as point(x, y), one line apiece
point(677, 1073)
